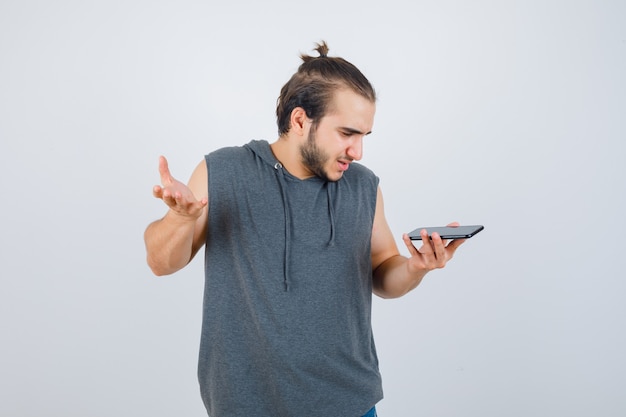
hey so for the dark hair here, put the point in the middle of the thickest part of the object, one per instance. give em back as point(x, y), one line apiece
point(313, 85)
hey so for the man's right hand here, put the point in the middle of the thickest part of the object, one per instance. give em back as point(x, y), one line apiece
point(177, 195)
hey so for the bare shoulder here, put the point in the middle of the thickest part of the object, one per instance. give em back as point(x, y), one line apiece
point(198, 182)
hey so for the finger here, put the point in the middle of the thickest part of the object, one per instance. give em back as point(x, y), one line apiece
point(178, 198)
point(409, 244)
point(164, 171)
point(157, 191)
point(439, 250)
point(165, 195)
point(199, 205)
point(178, 203)
point(169, 198)
point(427, 247)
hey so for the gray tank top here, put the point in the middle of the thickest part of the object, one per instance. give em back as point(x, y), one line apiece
point(286, 327)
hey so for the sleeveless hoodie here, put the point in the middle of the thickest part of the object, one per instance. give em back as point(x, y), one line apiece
point(286, 328)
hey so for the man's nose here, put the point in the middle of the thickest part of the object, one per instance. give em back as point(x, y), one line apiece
point(355, 150)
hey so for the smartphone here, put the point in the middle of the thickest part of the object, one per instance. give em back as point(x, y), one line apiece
point(448, 232)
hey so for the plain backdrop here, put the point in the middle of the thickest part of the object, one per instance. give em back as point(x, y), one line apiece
point(509, 114)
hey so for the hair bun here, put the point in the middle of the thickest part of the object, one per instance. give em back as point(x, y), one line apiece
point(322, 49)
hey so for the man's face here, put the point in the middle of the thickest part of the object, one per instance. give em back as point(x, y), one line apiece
point(338, 138)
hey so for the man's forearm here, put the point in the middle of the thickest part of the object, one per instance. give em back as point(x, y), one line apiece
point(392, 278)
point(169, 243)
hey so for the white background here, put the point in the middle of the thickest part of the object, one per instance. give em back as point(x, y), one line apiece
point(506, 113)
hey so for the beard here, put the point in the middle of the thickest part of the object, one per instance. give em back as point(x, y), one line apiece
point(313, 157)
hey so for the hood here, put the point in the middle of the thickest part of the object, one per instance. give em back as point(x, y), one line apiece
point(262, 150)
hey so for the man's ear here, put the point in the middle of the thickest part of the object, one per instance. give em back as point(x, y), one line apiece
point(299, 121)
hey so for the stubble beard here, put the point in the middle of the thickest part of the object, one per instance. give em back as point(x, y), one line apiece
point(314, 158)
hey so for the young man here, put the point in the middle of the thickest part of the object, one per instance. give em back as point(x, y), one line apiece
point(296, 241)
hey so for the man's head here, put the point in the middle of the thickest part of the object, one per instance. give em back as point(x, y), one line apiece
point(313, 86)
point(327, 149)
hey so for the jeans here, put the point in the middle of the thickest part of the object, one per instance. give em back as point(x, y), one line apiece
point(371, 413)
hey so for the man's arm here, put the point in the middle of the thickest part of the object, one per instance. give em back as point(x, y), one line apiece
point(173, 241)
point(394, 274)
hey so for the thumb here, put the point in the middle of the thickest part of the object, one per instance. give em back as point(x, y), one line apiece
point(164, 171)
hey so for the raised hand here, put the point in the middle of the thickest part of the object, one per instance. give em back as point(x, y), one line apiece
point(177, 195)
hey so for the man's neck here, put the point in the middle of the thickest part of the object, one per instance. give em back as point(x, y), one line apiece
point(286, 150)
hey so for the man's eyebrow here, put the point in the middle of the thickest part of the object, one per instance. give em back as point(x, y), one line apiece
point(354, 131)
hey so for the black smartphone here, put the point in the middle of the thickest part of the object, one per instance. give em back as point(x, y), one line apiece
point(448, 232)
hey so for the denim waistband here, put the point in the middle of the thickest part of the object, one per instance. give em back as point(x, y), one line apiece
point(371, 413)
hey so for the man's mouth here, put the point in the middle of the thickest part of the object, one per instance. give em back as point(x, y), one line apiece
point(343, 164)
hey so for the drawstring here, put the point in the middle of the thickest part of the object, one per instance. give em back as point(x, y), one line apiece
point(331, 214)
point(281, 179)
